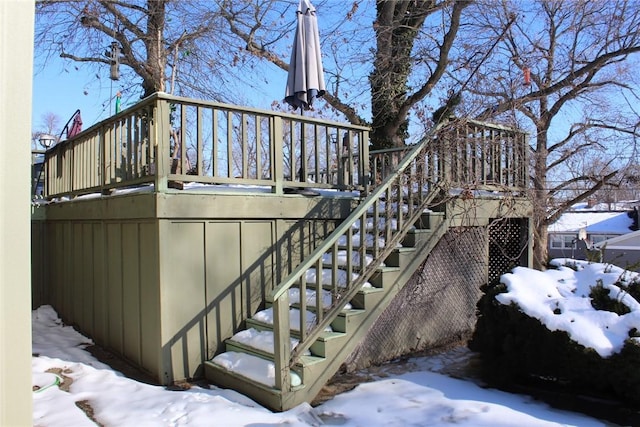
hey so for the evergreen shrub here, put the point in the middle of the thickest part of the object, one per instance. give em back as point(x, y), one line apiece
point(516, 348)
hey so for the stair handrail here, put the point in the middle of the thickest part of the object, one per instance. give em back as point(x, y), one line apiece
point(419, 199)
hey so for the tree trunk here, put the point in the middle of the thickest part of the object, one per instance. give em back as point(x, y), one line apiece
point(153, 80)
point(540, 199)
point(396, 29)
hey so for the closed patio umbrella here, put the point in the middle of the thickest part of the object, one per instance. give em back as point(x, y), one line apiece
point(306, 75)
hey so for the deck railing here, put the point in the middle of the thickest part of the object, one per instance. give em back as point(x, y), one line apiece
point(466, 154)
point(409, 180)
point(165, 139)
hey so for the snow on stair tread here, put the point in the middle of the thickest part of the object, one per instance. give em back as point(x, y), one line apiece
point(311, 276)
point(382, 221)
point(342, 256)
point(260, 340)
point(266, 316)
point(369, 239)
point(294, 298)
point(394, 207)
point(252, 367)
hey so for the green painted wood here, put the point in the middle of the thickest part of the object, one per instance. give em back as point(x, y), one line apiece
point(99, 279)
point(150, 311)
point(114, 291)
point(223, 291)
point(131, 264)
point(182, 263)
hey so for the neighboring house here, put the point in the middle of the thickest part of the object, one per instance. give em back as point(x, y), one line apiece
point(577, 231)
point(623, 251)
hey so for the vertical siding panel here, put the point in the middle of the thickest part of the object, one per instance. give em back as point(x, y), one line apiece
point(87, 284)
point(223, 290)
point(76, 297)
point(131, 291)
point(257, 263)
point(149, 297)
point(114, 285)
point(183, 296)
point(52, 281)
point(100, 301)
point(66, 258)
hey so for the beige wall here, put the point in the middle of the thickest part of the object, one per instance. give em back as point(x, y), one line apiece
point(16, 65)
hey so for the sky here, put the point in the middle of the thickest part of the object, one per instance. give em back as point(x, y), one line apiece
point(62, 89)
point(422, 391)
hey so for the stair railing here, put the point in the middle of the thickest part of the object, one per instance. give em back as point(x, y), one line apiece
point(389, 211)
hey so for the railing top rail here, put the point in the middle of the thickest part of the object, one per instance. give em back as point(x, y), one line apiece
point(213, 104)
point(190, 101)
point(489, 125)
point(477, 123)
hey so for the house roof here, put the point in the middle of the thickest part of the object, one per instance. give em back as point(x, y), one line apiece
point(623, 205)
point(594, 222)
point(626, 241)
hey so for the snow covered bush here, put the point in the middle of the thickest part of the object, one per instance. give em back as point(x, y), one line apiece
point(575, 328)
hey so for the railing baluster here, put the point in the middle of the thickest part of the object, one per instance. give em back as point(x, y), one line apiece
point(303, 306)
point(229, 144)
point(258, 132)
point(319, 291)
point(214, 142)
point(199, 143)
point(245, 146)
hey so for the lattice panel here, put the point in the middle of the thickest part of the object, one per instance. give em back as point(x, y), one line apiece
point(436, 307)
point(507, 245)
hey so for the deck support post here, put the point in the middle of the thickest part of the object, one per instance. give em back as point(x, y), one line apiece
point(161, 131)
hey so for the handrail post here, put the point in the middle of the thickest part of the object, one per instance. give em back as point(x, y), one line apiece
point(365, 167)
point(445, 158)
point(277, 148)
point(282, 342)
point(160, 131)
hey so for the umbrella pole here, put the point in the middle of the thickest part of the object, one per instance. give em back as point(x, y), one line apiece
point(302, 171)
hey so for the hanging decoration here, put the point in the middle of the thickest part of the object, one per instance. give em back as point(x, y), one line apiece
point(115, 61)
point(118, 96)
point(527, 75)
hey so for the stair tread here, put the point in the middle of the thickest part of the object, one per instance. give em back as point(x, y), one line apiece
point(259, 340)
point(420, 231)
point(253, 367)
point(311, 276)
point(294, 299)
point(266, 316)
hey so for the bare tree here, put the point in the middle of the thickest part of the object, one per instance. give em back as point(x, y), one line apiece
point(562, 72)
point(49, 125)
point(160, 45)
point(412, 41)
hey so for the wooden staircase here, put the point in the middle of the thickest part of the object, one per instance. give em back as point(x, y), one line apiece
point(362, 264)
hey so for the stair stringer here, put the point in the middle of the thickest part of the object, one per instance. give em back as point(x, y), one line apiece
point(356, 334)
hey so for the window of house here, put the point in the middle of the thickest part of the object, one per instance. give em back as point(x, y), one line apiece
point(562, 241)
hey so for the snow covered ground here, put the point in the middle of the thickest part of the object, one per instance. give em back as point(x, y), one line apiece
point(72, 388)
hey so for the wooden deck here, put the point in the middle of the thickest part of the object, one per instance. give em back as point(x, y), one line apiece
point(162, 251)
